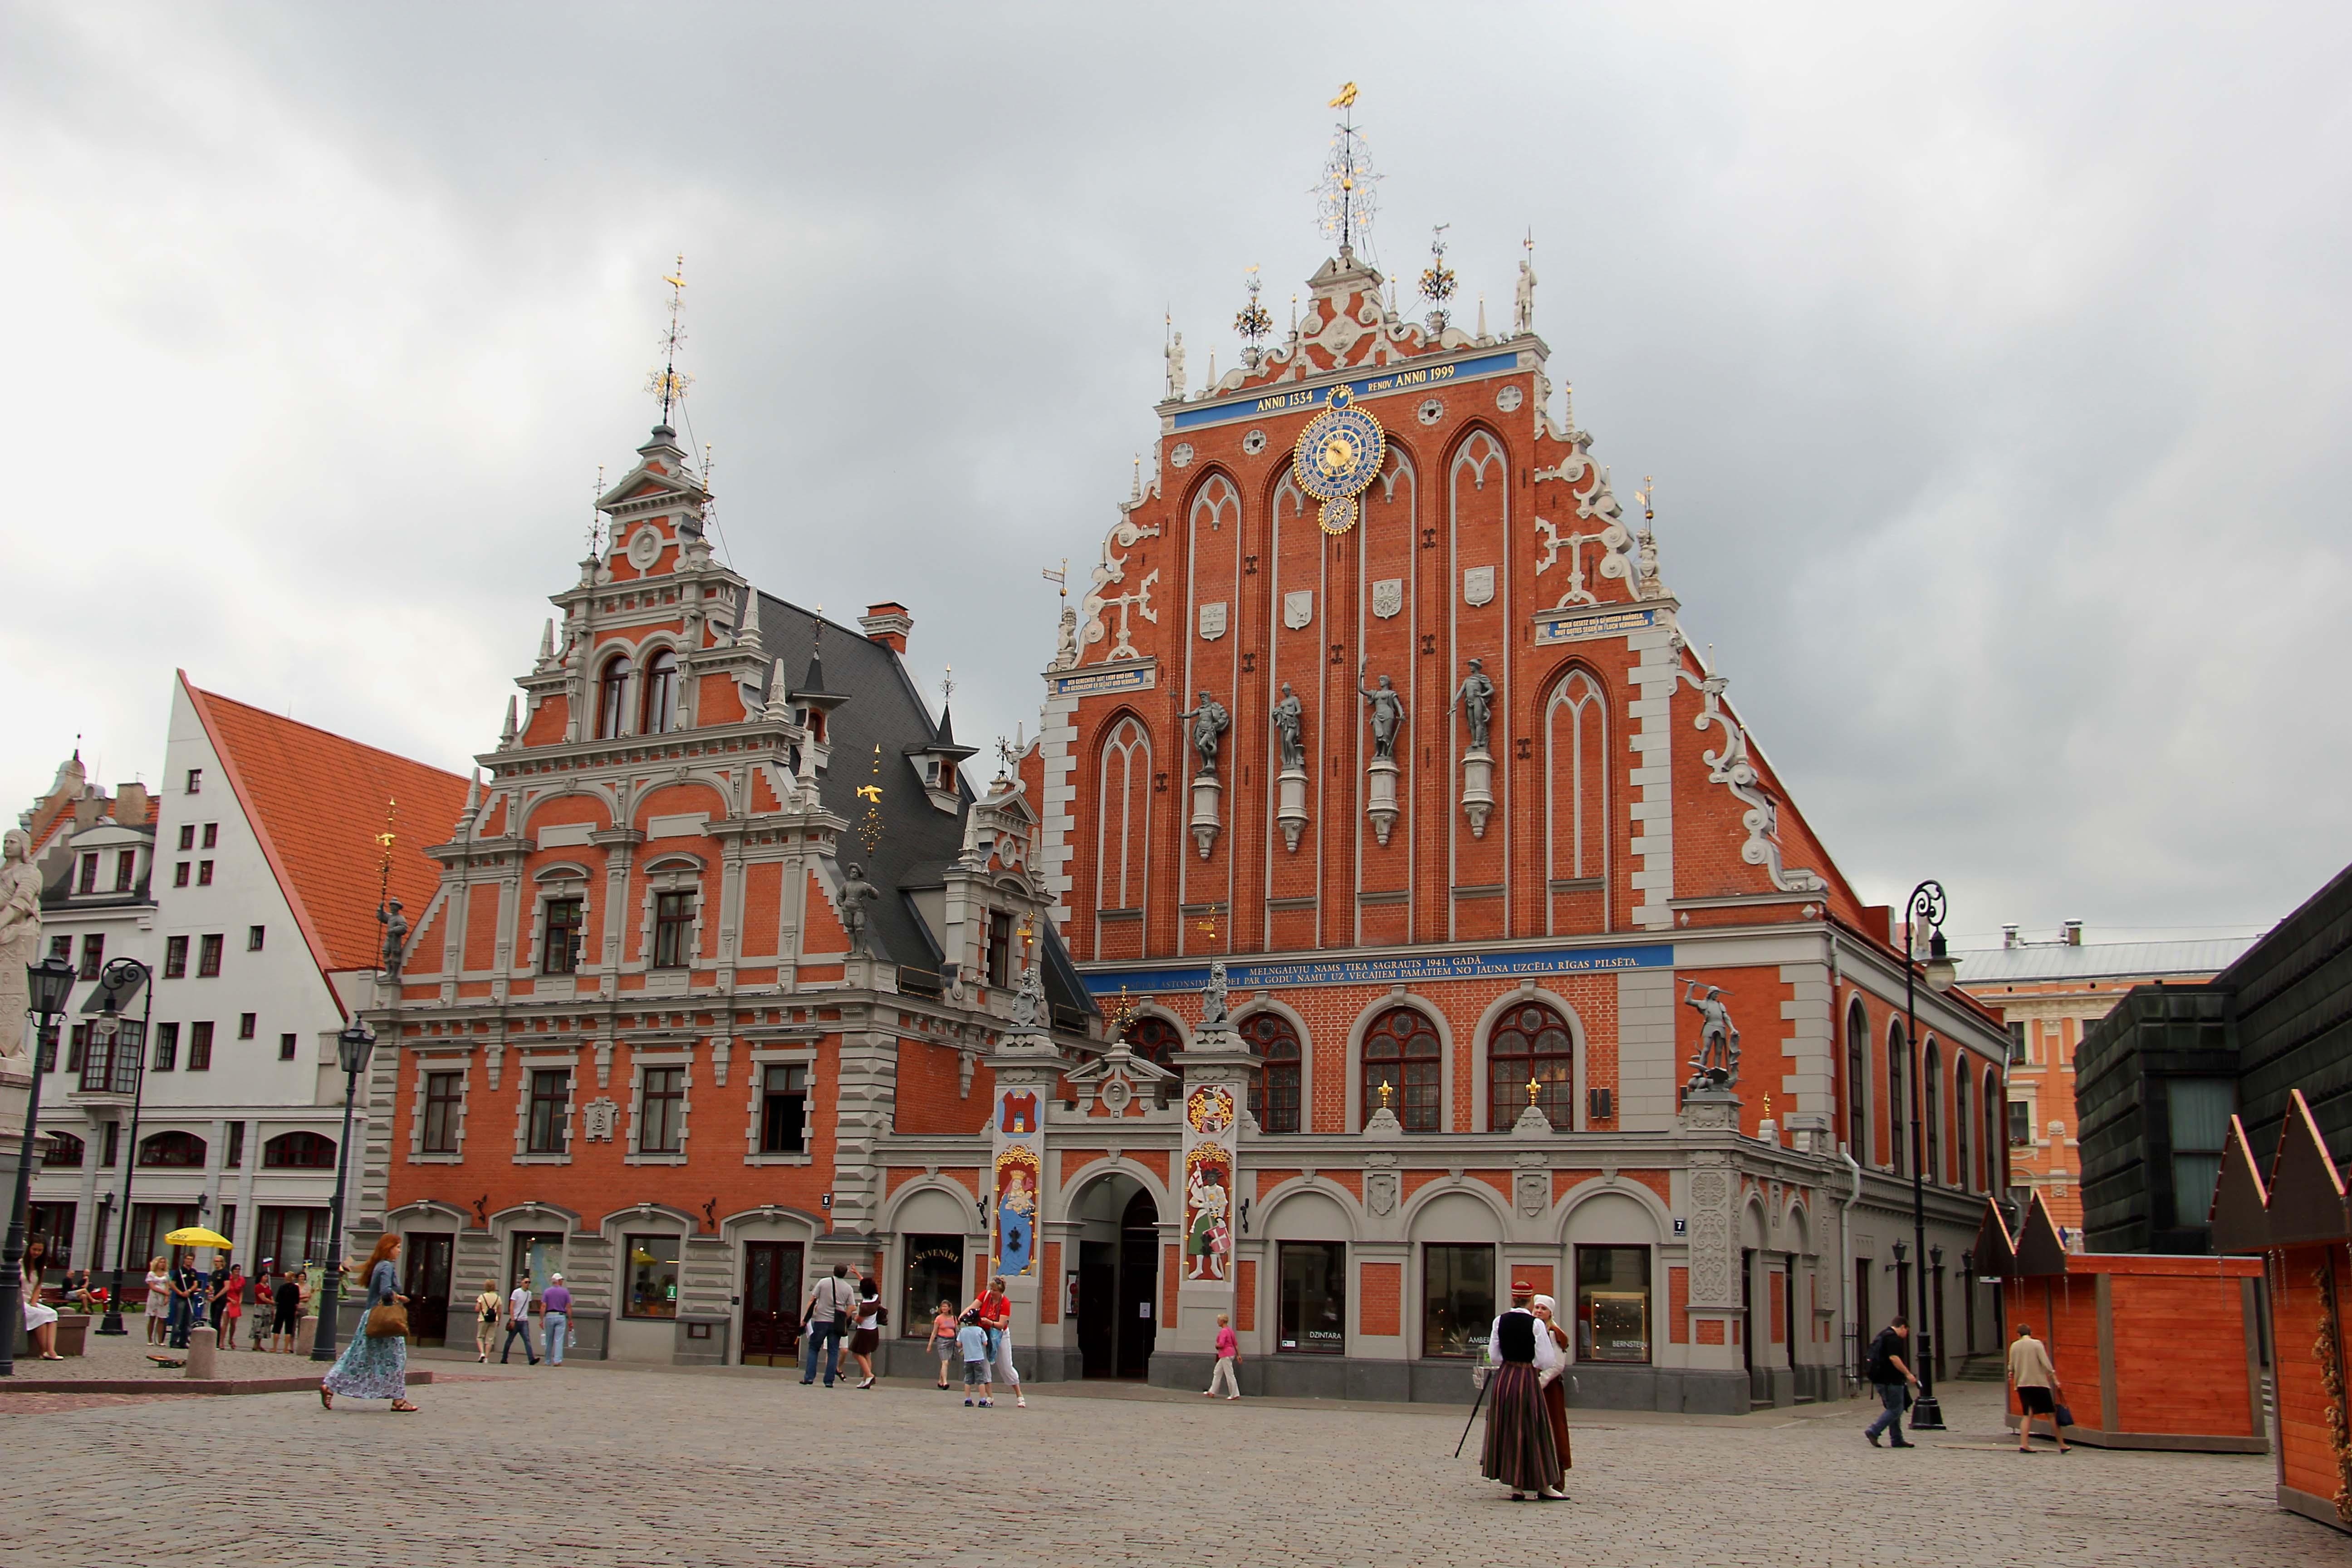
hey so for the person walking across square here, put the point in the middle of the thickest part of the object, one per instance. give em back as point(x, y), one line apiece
point(943, 1340)
point(1229, 1356)
point(995, 1310)
point(2037, 1389)
point(486, 1320)
point(519, 1321)
point(1893, 1380)
point(830, 1305)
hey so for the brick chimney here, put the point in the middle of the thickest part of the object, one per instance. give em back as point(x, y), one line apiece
point(2073, 933)
point(888, 623)
point(130, 804)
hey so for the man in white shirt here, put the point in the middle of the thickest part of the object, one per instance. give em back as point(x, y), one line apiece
point(1519, 1450)
point(832, 1303)
point(519, 1321)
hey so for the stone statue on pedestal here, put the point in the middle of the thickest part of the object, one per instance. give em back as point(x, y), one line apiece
point(1716, 1064)
point(1476, 698)
point(856, 893)
point(395, 939)
point(1029, 1001)
point(20, 936)
point(1286, 716)
point(1210, 721)
point(1216, 1013)
point(1388, 713)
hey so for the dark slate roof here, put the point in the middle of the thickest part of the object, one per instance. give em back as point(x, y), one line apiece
point(885, 708)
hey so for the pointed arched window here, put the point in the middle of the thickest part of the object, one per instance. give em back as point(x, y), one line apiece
point(1274, 1087)
point(1531, 1043)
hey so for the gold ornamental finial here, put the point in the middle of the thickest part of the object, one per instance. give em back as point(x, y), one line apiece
point(1387, 1089)
point(665, 382)
point(1534, 1089)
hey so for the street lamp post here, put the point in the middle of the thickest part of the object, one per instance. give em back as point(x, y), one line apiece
point(1926, 905)
point(352, 1048)
point(120, 977)
point(52, 981)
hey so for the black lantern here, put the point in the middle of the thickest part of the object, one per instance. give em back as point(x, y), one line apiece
point(52, 981)
point(353, 1046)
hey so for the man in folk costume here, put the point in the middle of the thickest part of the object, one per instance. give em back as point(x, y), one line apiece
point(1519, 1450)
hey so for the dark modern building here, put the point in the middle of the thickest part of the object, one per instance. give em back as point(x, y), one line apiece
point(2156, 1081)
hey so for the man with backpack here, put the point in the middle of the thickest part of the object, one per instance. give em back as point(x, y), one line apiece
point(834, 1300)
point(1893, 1380)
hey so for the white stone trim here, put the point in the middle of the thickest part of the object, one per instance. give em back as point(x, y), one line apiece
point(631, 1154)
point(762, 1056)
point(544, 1060)
point(431, 1059)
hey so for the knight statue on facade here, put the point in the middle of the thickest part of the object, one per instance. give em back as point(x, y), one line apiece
point(856, 893)
point(1716, 1064)
point(396, 937)
point(1216, 1013)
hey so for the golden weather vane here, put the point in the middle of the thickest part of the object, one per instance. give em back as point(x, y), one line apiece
point(666, 383)
point(1345, 192)
point(869, 792)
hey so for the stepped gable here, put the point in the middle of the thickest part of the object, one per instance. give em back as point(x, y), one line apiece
point(315, 802)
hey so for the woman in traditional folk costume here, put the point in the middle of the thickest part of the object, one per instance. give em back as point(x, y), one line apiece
point(1555, 1384)
point(1519, 1450)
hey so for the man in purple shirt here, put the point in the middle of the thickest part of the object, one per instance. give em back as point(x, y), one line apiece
point(555, 1306)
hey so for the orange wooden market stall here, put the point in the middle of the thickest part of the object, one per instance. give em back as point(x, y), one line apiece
point(2152, 1352)
point(2301, 1225)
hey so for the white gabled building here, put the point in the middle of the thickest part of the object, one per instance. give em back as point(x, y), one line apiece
point(267, 872)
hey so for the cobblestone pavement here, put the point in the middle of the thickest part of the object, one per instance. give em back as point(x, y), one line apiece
point(601, 1467)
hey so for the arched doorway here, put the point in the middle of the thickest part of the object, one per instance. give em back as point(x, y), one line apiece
point(1118, 1233)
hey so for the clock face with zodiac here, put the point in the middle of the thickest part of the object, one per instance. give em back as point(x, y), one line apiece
point(1337, 456)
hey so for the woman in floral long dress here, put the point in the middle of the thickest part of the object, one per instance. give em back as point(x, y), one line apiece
point(372, 1368)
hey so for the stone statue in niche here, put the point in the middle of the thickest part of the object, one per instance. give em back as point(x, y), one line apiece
point(396, 937)
point(1210, 723)
point(1287, 718)
point(1215, 1013)
point(1476, 698)
point(1716, 1064)
point(20, 936)
point(856, 893)
point(1388, 713)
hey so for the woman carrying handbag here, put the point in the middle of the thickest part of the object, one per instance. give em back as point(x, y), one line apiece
point(374, 1365)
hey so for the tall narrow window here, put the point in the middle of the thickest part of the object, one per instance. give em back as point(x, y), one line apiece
point(93, 954)
point(1993, 1151)
point(1000, 947)
point(613, 698)
point(662, 1120)
point(1531, 1043)
point(1898, 1101)
point(558, 955)
point(658, 711)
point(551, 1096)
point(212, 836)
point(1275, 1086)
point(783, 1109)
point(1964, 1143)
point(187, 836)
point(208, 956)
point(175, 957)
point(246, 1024)
point(1123, 822)
point(1931, 1083)
point(167, 1047)
point(1576, 786)
point(443, 1093)
point(253, 938)
point(200, 1046)
point(196, 781)
point(126, 867)
point(673, 930)
point(235, 1158)
point(1857, 1082)
point(285, 1048)
point(2197, 1110)
point(1401, 1051)
point(2020, 1121)
point(88, 874)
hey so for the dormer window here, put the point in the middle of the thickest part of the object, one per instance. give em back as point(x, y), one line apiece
point(659, 711)
point(89, 883)
point(612, 699)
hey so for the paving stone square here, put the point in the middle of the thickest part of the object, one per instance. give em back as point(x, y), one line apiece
point(609, 1466)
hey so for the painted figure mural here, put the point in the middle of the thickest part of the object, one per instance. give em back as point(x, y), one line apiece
point(1016, 1252)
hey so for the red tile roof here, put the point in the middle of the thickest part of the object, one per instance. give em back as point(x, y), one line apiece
point(317, 802)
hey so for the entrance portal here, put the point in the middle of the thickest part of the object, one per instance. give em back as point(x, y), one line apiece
point(429, 1254)
point(1119, 1277)
point(771, 1299)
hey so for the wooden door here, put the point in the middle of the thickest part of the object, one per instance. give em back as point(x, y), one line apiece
point(429, 1254)
point(772, 1300)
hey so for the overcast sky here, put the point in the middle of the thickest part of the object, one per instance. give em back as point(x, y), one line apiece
point(1993, 360)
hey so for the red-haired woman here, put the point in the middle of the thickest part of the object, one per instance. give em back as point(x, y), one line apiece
point(373, 1367)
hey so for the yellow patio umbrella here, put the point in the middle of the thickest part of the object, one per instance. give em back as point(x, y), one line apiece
point(196, 1236)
